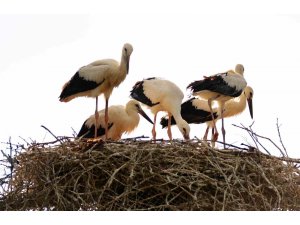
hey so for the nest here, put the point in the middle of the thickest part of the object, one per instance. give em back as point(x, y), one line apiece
point(142, 175)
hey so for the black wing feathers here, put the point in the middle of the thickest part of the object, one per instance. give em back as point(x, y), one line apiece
point(214, 83)
point(78, 84)
point(138, 94)
point(190, 114)
point(89, 132)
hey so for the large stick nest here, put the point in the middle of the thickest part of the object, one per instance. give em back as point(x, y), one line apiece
point(141, 175)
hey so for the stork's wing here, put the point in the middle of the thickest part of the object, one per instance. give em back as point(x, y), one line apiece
point(138, 94)
point(190, 114)
point(98, 70)
point(217, 84)
point(89, 132)
point(78, 84)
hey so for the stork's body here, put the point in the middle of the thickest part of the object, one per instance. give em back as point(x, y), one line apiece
point(161, 95)
point(233, 107)
point(221, 88)
point(197, 110)
point(122, 119)
point(99, 77)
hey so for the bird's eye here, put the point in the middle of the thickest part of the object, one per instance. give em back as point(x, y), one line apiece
point(125, 49)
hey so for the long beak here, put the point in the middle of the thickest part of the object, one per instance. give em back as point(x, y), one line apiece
point(127, 65)
point(140, 111)
point(249, 100)
point(186, 137)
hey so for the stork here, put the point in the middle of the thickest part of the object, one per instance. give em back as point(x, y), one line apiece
point(122, 119)
point(221, 88)
point(96, 78)
point(197, 110)
point(161, 95)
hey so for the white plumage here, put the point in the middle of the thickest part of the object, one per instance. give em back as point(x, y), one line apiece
point(122, 119)
point(99, 77)
point(197, 111)
point(221, 88)
point(232, 107)
point(161, 95)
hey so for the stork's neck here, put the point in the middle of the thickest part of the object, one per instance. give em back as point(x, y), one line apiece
point(177, 117)
point(235, 106)
point(124, 65)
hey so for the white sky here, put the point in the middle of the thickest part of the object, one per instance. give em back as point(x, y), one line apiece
point(41, 50)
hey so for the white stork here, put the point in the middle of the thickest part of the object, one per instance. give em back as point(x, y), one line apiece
point(161, 95)
point(221, 88)
point(122, 119)
point(99, 77)
point(197, 110)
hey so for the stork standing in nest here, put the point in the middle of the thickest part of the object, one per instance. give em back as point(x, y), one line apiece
point(221, 88)
point(197, 110)
point(122, 119)
point(96, 78)
point(162, 95)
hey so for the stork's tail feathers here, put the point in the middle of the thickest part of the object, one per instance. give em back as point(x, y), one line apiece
point(190, 114)
point(89, 132)
point(164, 121)
point(194, 85)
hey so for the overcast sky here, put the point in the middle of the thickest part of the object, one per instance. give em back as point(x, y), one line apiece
point(42, 47)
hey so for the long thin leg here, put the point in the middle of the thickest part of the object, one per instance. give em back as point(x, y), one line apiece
point(169, 127)
point(96, 117)
point(216, 134)
point(206, 133)
point(106, 119)
point(153, 129)
point(223, 129)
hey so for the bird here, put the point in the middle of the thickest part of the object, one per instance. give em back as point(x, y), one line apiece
point(161, 95)
point(196, 110)
point(122, 119)
point(220, 87)
point(96, 78)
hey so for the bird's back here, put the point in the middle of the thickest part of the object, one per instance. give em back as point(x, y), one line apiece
point(158, 94)
point(192, 111)
point(162, 90)
point(221, 83)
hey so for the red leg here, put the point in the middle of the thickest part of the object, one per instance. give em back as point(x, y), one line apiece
point(153, 129)
point(169, 127)
point(206, 133)
point(223, 129)
point(106, 119)
point(96, 117)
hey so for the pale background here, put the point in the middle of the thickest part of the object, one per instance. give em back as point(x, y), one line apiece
point(42, 48)
point(42, 44)
point(40, 52)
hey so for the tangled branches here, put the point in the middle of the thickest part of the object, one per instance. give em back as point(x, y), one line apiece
point(139, 175)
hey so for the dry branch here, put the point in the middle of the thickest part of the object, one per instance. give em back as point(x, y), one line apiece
point(132, 174)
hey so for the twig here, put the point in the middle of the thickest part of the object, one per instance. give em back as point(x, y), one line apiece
point(280, 139)
point(134, 138)
point(260, 136)
point(51, 133)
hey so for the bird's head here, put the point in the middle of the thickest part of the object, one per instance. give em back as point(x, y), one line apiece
point(126, 52)
point(135, 105)
point(239, 68)
point(248, 92)
point(184, 128)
